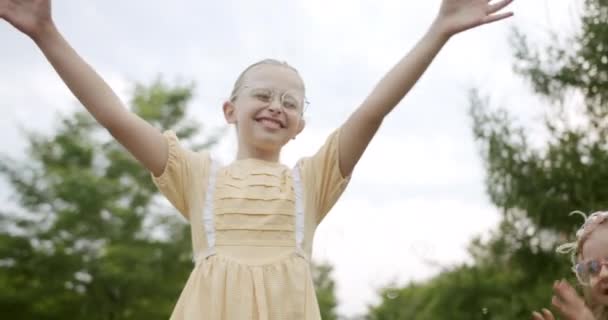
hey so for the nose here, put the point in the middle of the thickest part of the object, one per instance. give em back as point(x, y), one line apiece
point(275, 106)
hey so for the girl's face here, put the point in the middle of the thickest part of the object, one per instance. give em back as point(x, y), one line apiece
point(267, 109)
point(595, 258)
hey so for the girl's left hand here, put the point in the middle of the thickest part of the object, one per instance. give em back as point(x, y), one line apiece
point(459, 15)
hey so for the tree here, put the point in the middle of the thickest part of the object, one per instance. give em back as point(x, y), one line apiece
point(534, 187)
point(325, 290)
point(92, 241)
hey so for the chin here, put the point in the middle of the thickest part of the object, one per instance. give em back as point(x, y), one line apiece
point(267, 144)
point(270, 141)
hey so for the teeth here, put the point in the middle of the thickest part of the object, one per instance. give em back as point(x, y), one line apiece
point(272, 121)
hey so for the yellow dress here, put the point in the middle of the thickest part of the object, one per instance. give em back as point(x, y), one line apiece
point(252, 225)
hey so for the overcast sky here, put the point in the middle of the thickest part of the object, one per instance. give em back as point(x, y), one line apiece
point(418, 192)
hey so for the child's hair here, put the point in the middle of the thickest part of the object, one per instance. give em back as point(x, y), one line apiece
point(273, 62)
point(575, 250)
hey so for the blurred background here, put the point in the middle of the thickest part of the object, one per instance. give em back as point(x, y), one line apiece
point(454, 212)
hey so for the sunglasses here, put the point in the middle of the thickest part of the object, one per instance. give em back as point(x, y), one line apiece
point(590, 268)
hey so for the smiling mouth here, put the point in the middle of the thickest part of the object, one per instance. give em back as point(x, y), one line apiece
point(273, 121)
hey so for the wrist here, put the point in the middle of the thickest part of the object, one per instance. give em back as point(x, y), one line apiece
point(439, 31)
point(44, 33)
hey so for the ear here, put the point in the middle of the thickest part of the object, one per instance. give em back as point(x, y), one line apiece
point(229, 112)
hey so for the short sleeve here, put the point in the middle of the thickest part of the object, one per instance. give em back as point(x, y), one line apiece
point(321, 177)
point(176, 180)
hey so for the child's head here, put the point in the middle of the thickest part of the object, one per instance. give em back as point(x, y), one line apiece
point(266, 105)
point(590, 257)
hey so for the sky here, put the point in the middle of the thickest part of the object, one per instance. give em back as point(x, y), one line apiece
point(417, 197)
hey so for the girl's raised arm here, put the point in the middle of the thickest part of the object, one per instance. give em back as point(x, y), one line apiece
point(142, 140)
point(455, 16)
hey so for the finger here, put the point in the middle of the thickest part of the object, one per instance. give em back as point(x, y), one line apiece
point(496, 17)
point(558, 304)
point(562, 308)
point(566, 293)
point(547, 314)
point(498, 6)
point(537, 316)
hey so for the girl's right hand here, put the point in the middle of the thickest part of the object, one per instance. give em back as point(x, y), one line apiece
point(545, 314)
point(31, 17)
point(567, 302)
point(145, 142)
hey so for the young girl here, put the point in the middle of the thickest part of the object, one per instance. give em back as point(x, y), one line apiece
point(253, 220)
point(590, 264)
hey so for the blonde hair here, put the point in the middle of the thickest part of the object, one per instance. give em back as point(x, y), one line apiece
point(575, 249)
point(271, 62)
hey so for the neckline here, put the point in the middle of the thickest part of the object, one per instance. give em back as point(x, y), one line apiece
point(258, 161)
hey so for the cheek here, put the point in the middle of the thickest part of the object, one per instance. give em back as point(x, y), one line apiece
point(294, 123)
point(244, 118)
point(598, 288)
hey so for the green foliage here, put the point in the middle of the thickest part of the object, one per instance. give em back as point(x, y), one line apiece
point(325, 289)
point(92, 241)
point(534, 188)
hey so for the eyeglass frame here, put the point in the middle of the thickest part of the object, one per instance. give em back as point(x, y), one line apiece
point(585, 274)
point(273, 94)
